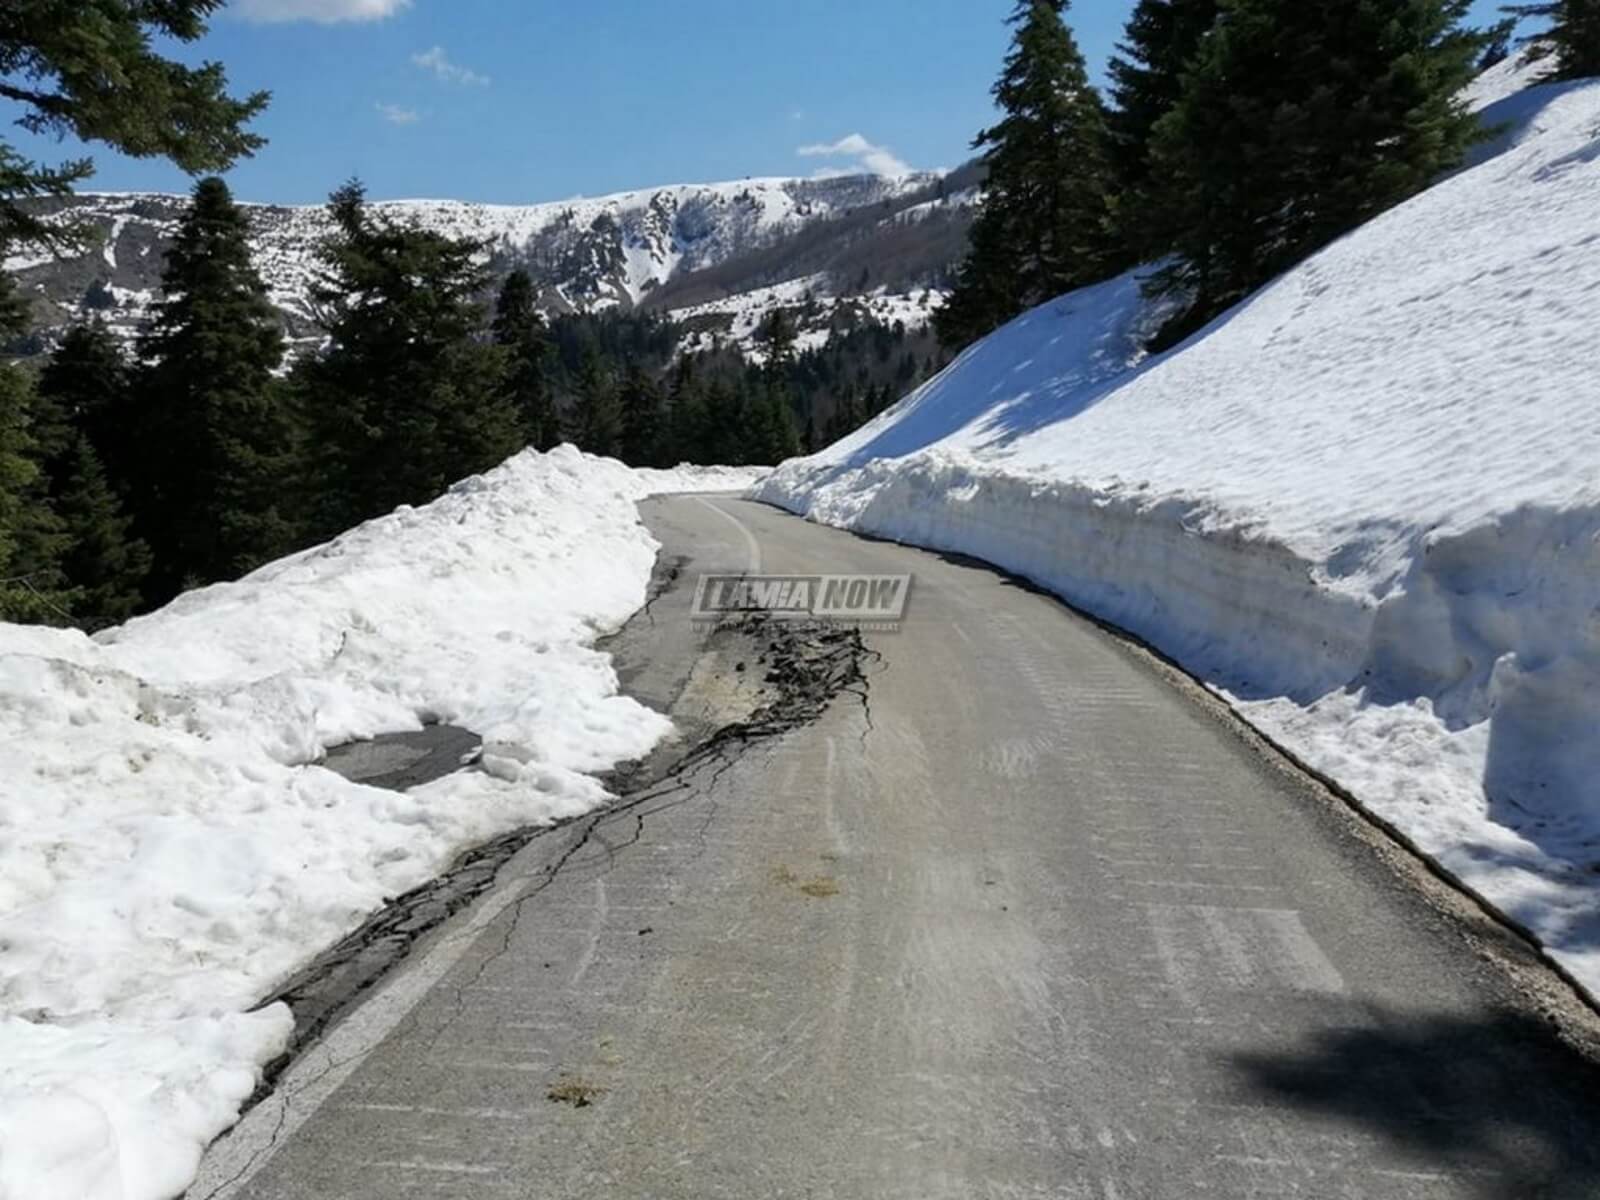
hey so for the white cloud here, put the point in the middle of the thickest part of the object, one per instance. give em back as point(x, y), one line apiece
point(396, 115)
point(437, 61)
point(323, 12)
point(879, 160)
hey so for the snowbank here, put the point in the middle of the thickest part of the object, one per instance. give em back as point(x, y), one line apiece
point(166, 852)
point(1365, 504)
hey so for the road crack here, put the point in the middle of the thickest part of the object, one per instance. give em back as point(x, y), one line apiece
point(808, 665)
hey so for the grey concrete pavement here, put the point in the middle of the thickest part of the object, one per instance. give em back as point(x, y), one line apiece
point(1028, 919)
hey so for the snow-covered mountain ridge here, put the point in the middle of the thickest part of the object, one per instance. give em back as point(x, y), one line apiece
point(588, 254)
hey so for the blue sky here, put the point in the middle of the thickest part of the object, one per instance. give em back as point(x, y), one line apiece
point(514, 101)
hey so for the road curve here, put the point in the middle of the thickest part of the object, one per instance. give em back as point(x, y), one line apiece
point(1030, 918)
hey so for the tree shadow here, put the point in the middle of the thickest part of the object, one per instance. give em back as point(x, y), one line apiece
point(1499, 1098)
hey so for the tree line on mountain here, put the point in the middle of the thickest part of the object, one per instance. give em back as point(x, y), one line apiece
point(626, 386)
point(211, 452)
point(1240, 136)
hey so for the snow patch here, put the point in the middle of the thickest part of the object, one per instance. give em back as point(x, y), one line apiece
point(812, 302)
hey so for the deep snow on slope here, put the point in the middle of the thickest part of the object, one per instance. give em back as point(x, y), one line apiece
point(169, 850)
point(1365, 503)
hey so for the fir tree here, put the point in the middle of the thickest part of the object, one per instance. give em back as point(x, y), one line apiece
point(405, 399)
point(1043, 228)
point(1574, 34)
point(88, 382)
point(774, 435)
point(31, 536)
point(89, 70)
point(983, 296)
point(83, 404)
point(686, 407)
point(642, 433)
point(216, 437)
point(104, 565)
point(597, 418)
point(519, 329)
point(731, 434)
point(1297, 123)
point(32, 588)
point(846, 416)
point(1161, 40)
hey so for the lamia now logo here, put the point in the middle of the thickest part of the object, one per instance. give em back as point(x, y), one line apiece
point(867, 599)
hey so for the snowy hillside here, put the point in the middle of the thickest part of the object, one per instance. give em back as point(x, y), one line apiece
point(1365, 504)
point(169, 851)
point(590, 254)
point(814, 307)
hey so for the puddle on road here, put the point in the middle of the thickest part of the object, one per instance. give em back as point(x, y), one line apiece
point(398, 761)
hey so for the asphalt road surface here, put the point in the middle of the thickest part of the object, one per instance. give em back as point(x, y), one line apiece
point(1027, 918)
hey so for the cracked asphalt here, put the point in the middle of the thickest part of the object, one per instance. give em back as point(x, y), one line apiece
point(1020, 913)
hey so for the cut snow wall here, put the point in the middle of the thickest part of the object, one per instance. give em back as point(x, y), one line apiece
point(1500, 624)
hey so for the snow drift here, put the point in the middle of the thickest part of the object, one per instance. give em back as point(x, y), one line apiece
point(1365, 504)
point(168, 849)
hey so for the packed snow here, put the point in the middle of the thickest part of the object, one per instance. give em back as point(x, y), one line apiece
point(169, 849)
point(1365, 504)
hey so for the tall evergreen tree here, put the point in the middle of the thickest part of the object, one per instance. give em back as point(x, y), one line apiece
point(83, 404)
point(91, 70)
point(846, 417)
point(519, 329)
point(216, 436)
point(31, 536)
point(642, 425)
point(88, 382)
point(597, 416)
point(1161, 40)
point(775, 436)
point(1574, 34)
point(19, 589)
point(405, 399)
point(1044, 225)
point(686, 406)
point(1297, 123)
point(102, 563)
point(983, 296)
point(731, 436)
